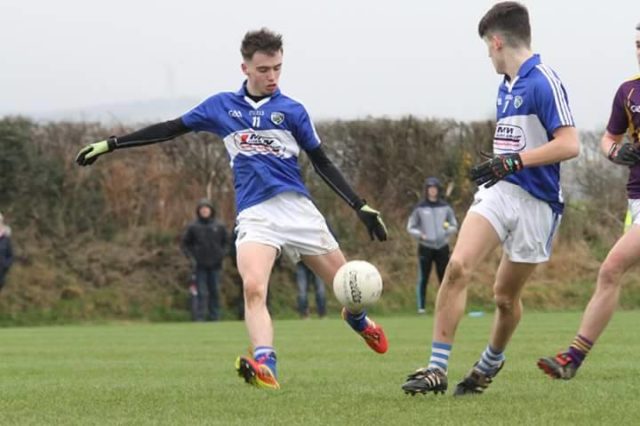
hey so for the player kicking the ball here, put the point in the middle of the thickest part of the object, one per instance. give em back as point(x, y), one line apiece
point(264, 132)
point(519, 206)
point(625, 116)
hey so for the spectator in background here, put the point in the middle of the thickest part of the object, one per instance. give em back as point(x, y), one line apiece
point(6, 253)
point(204, 243)
point(304, 279)
point(431, 223)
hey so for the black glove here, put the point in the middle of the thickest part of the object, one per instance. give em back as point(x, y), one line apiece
point(372, 220)
point(626, 154)
point(90, 153)
point(495, 169)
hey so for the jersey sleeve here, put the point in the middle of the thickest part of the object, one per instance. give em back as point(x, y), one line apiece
point(305, 132)
point(618, 121)
point(204, 117)
point(552, 105)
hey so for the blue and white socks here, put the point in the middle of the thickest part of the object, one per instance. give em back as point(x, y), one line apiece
point(356, 321)
point(490, 360)
point(440, 356)
point(267, 356)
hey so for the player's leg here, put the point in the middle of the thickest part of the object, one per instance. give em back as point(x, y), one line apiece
point(624, 254)
point(477, 239)
point(255, 261)
point(326, 266)
point(507, 289)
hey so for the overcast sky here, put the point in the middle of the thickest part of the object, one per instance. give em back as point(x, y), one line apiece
point(343, 58)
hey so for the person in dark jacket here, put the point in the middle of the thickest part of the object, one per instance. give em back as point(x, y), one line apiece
point(6, 253)
point(204, 242)
point(431, 223)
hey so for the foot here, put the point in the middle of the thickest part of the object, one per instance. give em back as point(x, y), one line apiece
point(422, 311)
point(476, 381)
point(560, 366)
point(373, 335)
point(256, 373)
point(426, 380)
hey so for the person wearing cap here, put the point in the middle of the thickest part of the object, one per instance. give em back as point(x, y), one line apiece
point(431, 223)
point(6, 253)
point(204, 242)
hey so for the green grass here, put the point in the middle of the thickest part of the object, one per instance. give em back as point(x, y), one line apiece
point(179, 374)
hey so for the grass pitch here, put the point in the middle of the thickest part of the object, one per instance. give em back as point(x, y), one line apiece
point(183, 374)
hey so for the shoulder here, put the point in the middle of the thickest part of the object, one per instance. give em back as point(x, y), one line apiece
point(290, 104)
point(545, 79)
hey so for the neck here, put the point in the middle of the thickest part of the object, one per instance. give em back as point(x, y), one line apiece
point(514, 60)
point(251, 91)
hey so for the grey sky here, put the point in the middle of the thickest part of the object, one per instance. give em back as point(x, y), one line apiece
point(343, 58)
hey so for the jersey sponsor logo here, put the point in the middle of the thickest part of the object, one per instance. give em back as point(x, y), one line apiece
point(277, 118)
point(234, 113)
point(509, 137)
point(635, 108)
point(254, 142)
point(517, 102)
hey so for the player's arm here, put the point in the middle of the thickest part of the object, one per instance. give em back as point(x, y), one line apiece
point(155, 133)
point(611, 144)
point(336, 181)
point(564, 146)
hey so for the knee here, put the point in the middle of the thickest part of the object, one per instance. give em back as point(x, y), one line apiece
point(506, 303)
point(609, 274)
point(254, 291)
point(457, 271)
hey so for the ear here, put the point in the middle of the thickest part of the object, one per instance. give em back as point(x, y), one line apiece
point(497, 41)
point(245, 68)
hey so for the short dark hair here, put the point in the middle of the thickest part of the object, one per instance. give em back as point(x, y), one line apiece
point(509, 18)
point(638, 27)
point(262, 40)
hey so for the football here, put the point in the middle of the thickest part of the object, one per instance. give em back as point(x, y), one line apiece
point(357, 284)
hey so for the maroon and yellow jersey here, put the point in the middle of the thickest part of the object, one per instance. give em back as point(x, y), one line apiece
point(625, 117)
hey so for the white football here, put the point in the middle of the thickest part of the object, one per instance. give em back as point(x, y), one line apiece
point(357, 284)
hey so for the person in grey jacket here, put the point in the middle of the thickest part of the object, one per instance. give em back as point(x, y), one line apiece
point(431, 223)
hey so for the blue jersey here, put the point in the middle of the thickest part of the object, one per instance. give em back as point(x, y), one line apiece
point(263, 140)
point(530, 108)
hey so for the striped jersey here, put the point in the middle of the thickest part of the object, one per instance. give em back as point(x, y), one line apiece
point(530, 108)
point(263, 140)
point(625, 118)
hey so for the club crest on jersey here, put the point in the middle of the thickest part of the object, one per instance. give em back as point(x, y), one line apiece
point(252, 142)
point(517, 102)
point(277, 118)
point(635, 108)
point(509, 138)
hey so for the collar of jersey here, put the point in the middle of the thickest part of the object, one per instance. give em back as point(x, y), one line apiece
point(526, 67)
point(243, 91)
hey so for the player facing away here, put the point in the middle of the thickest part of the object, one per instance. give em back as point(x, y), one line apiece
point(625, 117)
point(518, 204)
point(264, 132)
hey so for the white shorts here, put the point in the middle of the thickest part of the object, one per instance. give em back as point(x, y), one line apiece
point(526, 225)
point(290, 222)
point(634, 209)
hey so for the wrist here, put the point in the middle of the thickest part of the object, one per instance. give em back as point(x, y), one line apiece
point(359, 204)
point(112, 143)
point(612, 151)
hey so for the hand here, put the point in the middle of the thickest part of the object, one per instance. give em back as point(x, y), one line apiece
point(495, 169)
point(625, 154)
point(423, 237)
point(90, 153)
point(372, 220)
